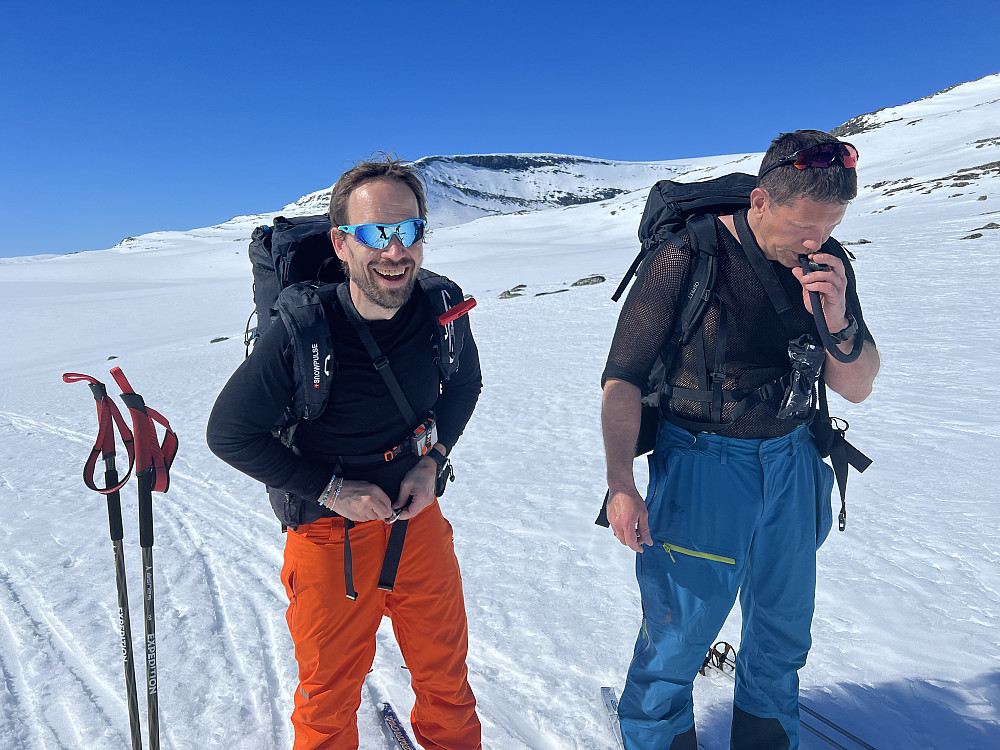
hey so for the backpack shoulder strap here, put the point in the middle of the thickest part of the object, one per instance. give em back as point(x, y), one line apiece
point(765, 273)
point(701, 277)
point(301, 309)
point(696, 292)
point(379, 360)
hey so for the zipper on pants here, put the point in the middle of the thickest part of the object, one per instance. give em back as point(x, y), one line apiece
point(671, 548)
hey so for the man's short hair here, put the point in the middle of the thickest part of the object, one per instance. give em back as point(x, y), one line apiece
point(381, 166)
point(784, 185)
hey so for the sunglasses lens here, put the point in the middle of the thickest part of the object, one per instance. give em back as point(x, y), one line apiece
point(379, 236)
point(371, 235)
point(826, 154)
point(410, 231)
point(817, 156)
point(850, 155)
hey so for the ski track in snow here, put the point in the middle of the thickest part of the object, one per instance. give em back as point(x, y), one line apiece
point(906, 652)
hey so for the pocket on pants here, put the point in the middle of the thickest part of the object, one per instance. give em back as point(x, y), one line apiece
point(698, 511)
point(288, 579)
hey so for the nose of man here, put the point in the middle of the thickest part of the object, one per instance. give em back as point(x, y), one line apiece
point(394, 250)
point(813, 243)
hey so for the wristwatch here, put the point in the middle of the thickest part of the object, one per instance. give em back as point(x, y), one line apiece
point(437, 457)
point(852, 328)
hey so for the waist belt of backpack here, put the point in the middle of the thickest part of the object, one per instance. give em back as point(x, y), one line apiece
point(417, 443)
point(745, 399)
point(394, 547)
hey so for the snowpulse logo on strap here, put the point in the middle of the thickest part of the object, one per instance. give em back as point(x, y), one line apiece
point(317, 368)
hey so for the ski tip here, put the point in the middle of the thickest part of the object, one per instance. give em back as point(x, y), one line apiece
point(394, 727)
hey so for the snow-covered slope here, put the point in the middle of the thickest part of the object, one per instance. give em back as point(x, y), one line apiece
point(905, 649)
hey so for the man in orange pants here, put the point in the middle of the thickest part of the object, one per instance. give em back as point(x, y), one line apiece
point(362, 477)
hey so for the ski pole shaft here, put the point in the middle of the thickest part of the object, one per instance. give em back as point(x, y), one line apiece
point(148, 608)
point(124, 621)
point(834, 725)
point(128, 656)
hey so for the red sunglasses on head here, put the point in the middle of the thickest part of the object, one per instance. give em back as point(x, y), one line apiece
point(822, 155)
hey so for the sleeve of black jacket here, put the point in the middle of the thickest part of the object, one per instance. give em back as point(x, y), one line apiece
point(460, 392)
point(250, 404)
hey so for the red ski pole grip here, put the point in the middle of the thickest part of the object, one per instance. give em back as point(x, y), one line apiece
point(123, 383)
point(454, 313)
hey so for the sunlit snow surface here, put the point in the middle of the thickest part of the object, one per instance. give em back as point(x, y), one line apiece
point(907, 629)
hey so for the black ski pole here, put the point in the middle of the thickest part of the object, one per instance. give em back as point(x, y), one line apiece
point(105, 445)
point(148, 609)
point(152, 464)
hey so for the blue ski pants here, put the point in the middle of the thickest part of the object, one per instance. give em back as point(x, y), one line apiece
point(726, 515)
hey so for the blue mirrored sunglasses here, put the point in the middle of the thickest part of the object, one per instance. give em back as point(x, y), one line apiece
point(379, 236)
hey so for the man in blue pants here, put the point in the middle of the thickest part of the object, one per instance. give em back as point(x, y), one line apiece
point(738, 500)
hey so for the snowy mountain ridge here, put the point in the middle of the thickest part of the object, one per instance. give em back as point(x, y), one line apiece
point(465, 188)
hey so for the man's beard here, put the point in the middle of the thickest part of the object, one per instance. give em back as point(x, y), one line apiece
point(366, 279)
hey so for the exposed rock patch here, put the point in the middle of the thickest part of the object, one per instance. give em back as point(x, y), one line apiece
point(514, 291)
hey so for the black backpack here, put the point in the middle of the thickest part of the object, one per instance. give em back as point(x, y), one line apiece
point(287, 252)
point(670, 208)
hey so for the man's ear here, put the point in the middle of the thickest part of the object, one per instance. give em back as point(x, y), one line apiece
point(339, 244)
point(760, 201)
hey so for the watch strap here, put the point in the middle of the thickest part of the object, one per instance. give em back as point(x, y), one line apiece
point(851, 330)
point(437, 457)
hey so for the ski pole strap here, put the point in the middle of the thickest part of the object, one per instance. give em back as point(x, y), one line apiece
point(393, 551)
point(150, 453)
point(108, 418)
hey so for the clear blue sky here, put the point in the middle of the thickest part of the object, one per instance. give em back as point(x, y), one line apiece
point(121, 118)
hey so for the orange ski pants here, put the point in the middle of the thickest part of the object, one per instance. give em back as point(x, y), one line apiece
point(334, 637)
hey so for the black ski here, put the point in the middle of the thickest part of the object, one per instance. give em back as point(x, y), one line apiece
point(393, 727)
point(722, 658)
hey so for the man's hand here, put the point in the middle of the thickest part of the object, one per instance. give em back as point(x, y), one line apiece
point(417, 490)
point(851, 380)
point(629, 519)
point(361, 501)
point(831, 285)
point(620, 418)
